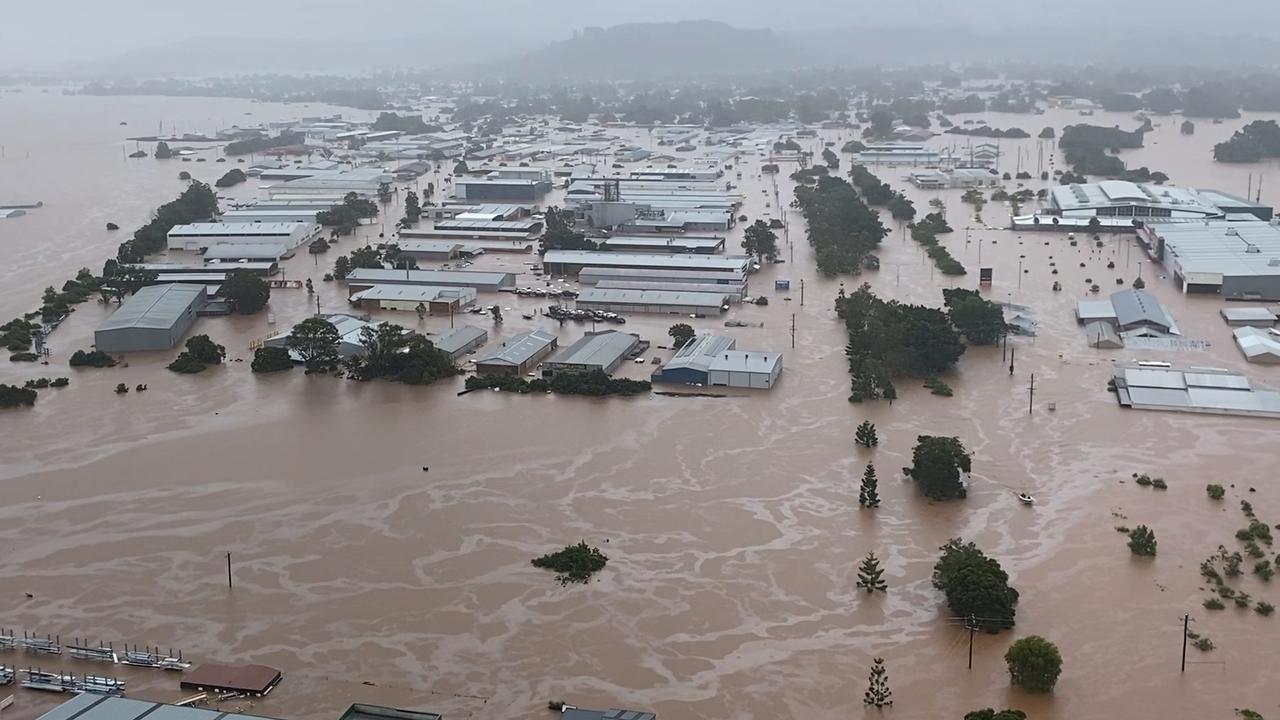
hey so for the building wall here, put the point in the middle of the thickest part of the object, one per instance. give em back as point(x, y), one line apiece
point(1262, 287)
point(500, 192)
point(642, 308)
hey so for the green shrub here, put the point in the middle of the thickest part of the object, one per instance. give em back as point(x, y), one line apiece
point(93, 358)
point(1159, 484)
point(1216, 492)
point(12, 396)
point(1034, 663)
point(1203, 644)
point(1264, 608)
point(573, 564)
point(1142, 541)
point(187, 364)
point(24, 357)
point(1213, 603)
point(271, 359)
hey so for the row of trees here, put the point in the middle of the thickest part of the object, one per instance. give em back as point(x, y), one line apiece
point(197, 202)
point(926, 232)
point(200, 353)
point(842, 229)
point(888, 339)
point(262, 143)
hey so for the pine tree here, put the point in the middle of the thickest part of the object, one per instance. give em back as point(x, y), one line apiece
point(867, 495)
point(878, 693)
point(866, 435)
point(870, 575)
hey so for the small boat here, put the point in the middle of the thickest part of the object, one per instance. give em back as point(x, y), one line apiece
point(1026, 499)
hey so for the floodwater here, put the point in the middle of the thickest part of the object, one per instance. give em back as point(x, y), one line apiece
point(731, 523)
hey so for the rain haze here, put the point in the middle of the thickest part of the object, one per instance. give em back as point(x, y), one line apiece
point(622, 361)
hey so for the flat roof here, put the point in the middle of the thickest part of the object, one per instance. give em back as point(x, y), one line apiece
point(419, 293)
point(1230, 249)
point(255, 679)
point(699, 242)
point(92, 706)
point(360, 711)
point(615, 296)
point(491, 225)
point(207, 229)
point(593, 275)
point(595, 258)
point(1204, 390)
point(519, 349)
point(155, 306)
point(721, 288)
point(429, 246)
point(459, 278)
point(601, 348)
point(233, 251)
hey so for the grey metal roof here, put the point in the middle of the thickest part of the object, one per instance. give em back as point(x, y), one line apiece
point(1089, 310)
point(458, 278)
point(651, 297)
point(698, 353)
point(666, 242)
point(418, 293)
point(519, 349)
point(1258, 345)
point(490, 225)
point(1139, 306)
point(459, 337)
point(219, 229)
point(1224, 248)
point(91, 706)
point(738, 289)
point(429, 246)
point(601, 348)
point(590, 276)
point(1203, 390)
point(235, 251)
point(360, 711)
point(593, 258)
point(155, 306)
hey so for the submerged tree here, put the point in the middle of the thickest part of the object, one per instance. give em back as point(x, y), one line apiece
point(870, 575)
point(867, 495)
point(878, 693)
point(1034, 663)
point(866, 434)
point(1142, 541)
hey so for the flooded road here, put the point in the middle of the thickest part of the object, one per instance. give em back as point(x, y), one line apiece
point(731, 524)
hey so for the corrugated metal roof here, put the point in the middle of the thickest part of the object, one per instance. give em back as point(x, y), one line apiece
point(155, 306)
point(602, 348)
point(1139, 306)
point(519, 349)
point(459, 337)
point(90, 706)
point(651, 297)
point(593, 258)
point(416, 293)
point(257, 229)
point(698, 353)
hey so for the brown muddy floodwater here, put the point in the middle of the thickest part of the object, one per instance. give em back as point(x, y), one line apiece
point(731, 524)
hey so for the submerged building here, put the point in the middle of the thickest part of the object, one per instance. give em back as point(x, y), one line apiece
point(603, 351)
point(156, 317)
point(519, 355)
point(1160, 386)
point(1237, 260)
point(713, 360)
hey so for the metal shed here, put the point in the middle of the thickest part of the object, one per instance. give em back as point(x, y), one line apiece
point(154, 318)
point(603, 351)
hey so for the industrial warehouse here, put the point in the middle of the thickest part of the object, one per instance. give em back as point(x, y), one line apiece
point(434, 299)
point(365, 278)
point(1236, 260)
point(154, 318)
point(712, 360)
point(652, 301)
point(604, 351)
point(519, 355)
point(206, 235)
point(593, 276)
point(705, 245)
point(460, 340)
point(572, 262)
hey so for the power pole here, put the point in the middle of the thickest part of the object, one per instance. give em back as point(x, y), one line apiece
point(1031, 394)
point(801, 292)
point(229, 572)
point(1186, 623)
point(972, 624)
point(1012, 350)
point(793, 331)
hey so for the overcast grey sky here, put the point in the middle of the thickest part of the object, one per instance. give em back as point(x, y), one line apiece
point(48, 32)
